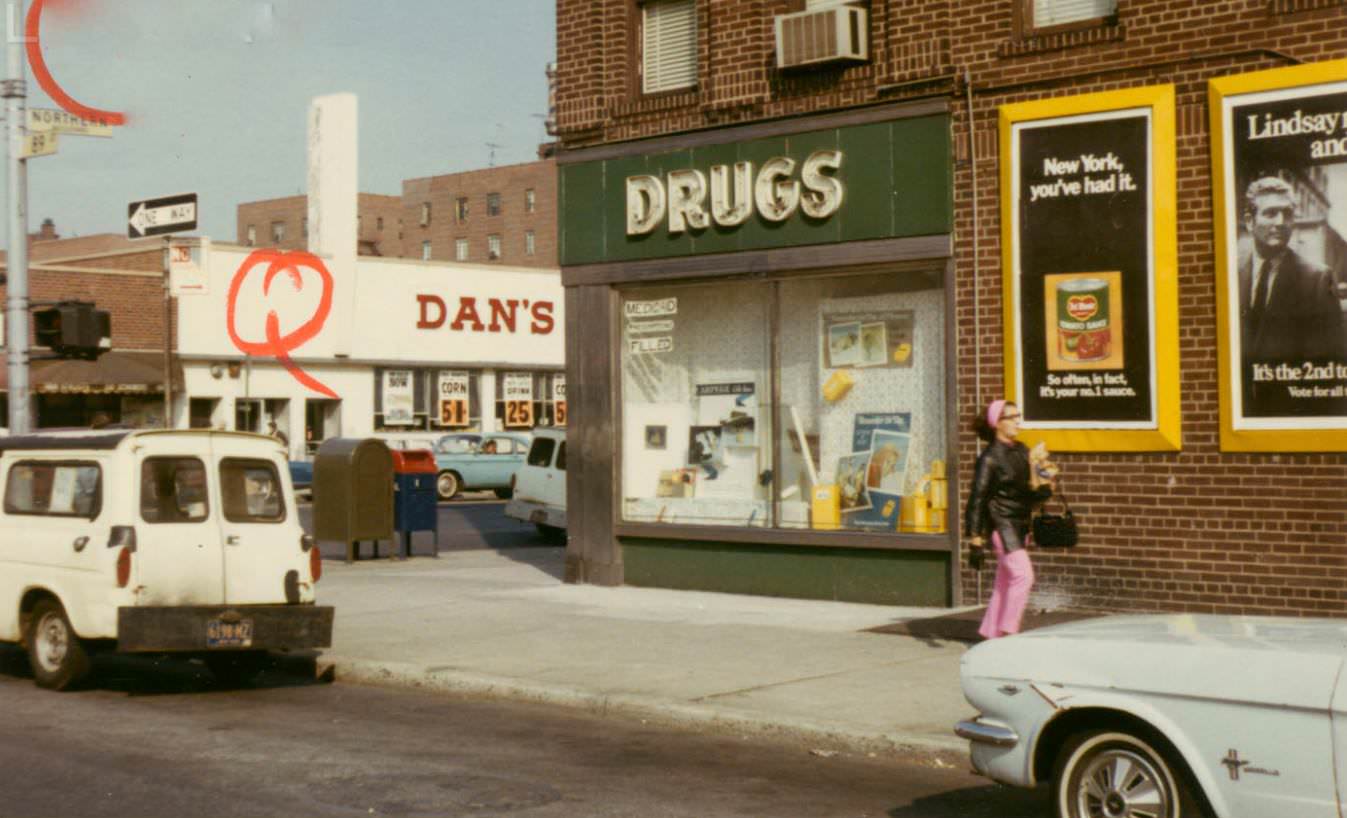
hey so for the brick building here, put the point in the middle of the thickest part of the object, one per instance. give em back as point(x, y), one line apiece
point(501, 215)
point(124, 277)
point(284, 223)
point(895, 163)
point(505, 214)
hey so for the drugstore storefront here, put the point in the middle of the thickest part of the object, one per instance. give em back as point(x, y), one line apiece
point(760, 351)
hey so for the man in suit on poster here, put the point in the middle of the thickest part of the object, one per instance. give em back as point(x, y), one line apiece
point(1289, 312)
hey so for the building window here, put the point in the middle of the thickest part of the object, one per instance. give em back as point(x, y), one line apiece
point(379, 223)
point(857, 441)
point(461, 208)
point(529, 243)
point(493, 204)
point(1052, 13)
point(425, 213)
point(304, 226)
point(252, 235)
point(493, 246)
point(530, 200)
point(425, 251)
point(668, 45)
point(277, 232)
point(461, 250)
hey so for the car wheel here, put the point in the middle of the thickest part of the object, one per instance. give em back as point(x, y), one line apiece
point(236, 668)
point(56, 654)
point(447, 485)
point(552, 534)
point(1120, 775)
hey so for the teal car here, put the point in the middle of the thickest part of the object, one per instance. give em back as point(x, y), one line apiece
point(471, 461)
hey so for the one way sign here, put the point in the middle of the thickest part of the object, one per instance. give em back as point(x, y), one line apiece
point(155, 217)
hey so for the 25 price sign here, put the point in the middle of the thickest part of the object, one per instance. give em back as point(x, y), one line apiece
point(518, 414)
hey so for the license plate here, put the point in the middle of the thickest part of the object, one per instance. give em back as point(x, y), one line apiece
point(221, 634)
point(538, 516)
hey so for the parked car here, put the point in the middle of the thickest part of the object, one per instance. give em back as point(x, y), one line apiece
point(301, 476)
point(540, 485)
point(1167, 716)
point(153, 542)
point(477, 461)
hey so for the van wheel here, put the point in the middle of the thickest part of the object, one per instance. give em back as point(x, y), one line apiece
point(552, 534)
point(447, 485)
point(56, 654)
point(506, 494)
point(236, 668)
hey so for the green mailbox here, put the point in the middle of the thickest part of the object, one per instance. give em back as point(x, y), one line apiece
point(353, 493)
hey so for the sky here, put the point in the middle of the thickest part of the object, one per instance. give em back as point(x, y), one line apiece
point(216, 94)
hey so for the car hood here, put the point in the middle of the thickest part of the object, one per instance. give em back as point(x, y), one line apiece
point(1270, 660)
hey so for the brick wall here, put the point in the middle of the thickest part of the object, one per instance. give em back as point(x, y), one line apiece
point(1197, 530)
point(510, 181)
point(380, 233)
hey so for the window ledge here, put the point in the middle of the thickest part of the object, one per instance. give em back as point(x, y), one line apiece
point(666, 101)
point(1058, 40)
point(786, 537)
point(1276, 7)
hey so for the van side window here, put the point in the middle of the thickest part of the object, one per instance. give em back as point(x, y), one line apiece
point(54, 489)
point(173, 490)
point(250, 491)
point(541, 453)
point(561, 457)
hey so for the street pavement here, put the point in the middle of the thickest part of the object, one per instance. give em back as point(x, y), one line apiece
point(499, 622)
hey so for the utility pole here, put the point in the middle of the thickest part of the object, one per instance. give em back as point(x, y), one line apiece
point(15, 94)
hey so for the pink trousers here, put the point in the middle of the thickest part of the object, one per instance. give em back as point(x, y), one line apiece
point(1014, 578)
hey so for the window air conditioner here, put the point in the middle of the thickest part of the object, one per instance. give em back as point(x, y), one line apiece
point(831, 34)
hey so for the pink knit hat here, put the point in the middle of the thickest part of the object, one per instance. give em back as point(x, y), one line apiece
point(994, 410)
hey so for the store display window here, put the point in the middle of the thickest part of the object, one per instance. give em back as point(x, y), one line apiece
point(527, 400)
point(426, 399)
point(813, 403)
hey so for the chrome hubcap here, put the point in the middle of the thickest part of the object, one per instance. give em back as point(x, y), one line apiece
point(447, 485)
point(51, 642)
point(1123, 784)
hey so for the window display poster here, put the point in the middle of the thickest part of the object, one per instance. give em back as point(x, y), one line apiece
point(398, 397)
point(453, 398)
point(1086, 247)
point(1282, 214)
point(868, 339)
point(876, 470)
point(732, 406)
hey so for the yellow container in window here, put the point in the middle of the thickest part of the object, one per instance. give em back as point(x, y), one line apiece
point(838, 386)
point(914, 513)
point(826, 507)
point(937, 470)
point(937, 494)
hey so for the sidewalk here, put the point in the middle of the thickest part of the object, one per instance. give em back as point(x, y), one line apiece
point(501, 623)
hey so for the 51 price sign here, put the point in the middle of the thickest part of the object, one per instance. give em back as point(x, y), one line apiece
point(453, 399)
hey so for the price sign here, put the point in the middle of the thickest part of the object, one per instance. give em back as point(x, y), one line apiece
point(453, 399)
point(559, 399)
point(518, 414)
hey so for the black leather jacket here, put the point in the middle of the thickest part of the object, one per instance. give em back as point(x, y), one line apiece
point(1001, 499)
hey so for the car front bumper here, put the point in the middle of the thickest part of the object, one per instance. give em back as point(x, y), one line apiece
point(177, 628)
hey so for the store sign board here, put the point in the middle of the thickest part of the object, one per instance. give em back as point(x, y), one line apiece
point(872, 181)
point(453, 398)
point(398, 397)
point(1279, 167)
point(645, 346)
point(1091, 269)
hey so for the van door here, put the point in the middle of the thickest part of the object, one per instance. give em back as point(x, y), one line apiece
point(178, 559)
point(554, 485)
point(261, 540)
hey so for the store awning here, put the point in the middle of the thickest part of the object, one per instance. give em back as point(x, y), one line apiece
point(113, 373)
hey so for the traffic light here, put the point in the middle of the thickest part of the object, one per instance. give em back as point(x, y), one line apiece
point(73, 329)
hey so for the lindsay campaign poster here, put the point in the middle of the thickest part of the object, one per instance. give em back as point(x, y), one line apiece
point(1090, 269)
point(1280, 181)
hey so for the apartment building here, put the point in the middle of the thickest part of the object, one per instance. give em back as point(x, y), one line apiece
point(284, 223)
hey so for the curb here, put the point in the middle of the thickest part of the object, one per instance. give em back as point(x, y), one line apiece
point(934, 750)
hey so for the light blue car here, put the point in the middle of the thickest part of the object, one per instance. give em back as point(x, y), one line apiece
point(476, 461)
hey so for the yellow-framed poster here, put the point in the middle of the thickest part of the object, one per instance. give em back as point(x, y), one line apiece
point(1089, 270)
point(1279, 196)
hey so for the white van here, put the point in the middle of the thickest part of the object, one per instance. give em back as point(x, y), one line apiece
point(540, 485)
point(153, 542)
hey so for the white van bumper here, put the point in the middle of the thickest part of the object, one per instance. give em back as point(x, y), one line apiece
point(153, 629)
point(531, 511)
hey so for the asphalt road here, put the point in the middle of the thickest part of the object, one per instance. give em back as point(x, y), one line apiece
point(160, 739)
point(474, 520)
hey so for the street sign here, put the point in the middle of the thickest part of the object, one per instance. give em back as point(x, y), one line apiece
point(38, 144)
point(46, 120)
point(155, 217)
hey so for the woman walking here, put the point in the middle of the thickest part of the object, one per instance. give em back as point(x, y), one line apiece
point(1005, 490)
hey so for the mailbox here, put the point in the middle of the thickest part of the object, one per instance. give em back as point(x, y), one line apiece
point(353, 493)
point(414, 496)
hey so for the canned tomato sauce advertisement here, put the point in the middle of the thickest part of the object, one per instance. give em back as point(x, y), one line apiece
point(1083, 332)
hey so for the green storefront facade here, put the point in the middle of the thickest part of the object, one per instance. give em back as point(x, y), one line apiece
point(760, 358)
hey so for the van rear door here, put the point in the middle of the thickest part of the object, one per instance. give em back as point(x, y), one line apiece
point(263, 560)
point(178, 558)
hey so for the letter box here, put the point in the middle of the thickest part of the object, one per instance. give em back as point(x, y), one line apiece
point(353, 493)
point(414, 496)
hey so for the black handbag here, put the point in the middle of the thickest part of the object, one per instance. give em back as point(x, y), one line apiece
point(1055, 530)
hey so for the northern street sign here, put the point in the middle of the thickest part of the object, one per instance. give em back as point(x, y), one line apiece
point(44, 120)
point(38, 144)
point(155, 217)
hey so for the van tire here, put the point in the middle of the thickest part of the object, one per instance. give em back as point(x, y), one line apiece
point(56, 654)
point(236, 668)
point(551, 534)
point(505, 494)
